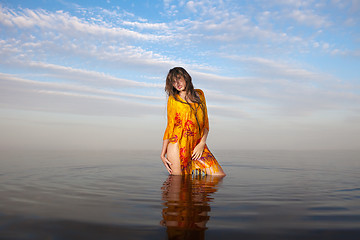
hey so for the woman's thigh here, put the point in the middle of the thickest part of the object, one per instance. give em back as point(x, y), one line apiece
point(174, 157)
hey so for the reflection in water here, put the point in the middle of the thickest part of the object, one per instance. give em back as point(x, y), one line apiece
point(186, 205)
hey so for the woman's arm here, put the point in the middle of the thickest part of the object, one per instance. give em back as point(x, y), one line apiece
point(166, 162)
point(167, 135)
point(198, 150)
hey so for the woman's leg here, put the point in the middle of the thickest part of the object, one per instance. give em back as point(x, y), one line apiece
point(173, 156)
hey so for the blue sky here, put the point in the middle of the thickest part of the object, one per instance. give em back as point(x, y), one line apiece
point(90, 74)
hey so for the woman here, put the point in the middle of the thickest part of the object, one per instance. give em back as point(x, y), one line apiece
point(184, 149)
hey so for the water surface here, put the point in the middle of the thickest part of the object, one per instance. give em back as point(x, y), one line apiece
point(129, 195)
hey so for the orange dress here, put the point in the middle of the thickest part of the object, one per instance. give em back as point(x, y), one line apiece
point(184, 129)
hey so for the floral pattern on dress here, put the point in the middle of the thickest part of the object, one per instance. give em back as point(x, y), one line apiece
point(189, 128)
point(174, 139)
point(183, 158)
point(177, 120)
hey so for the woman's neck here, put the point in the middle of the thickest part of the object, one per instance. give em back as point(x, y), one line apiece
point(182, 94)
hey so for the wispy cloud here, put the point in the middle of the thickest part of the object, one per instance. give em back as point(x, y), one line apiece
point(309, 18)
point(290, 90)
point(64, 23)
point(79, 75)
point(28, 94)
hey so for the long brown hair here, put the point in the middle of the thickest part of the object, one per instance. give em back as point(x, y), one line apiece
point(191, 94)
point(175, 73)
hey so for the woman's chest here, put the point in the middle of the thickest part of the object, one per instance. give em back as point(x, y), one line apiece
point(186, 112)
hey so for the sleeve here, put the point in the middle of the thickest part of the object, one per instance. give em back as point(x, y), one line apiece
point(170, 120)
point(206, 118)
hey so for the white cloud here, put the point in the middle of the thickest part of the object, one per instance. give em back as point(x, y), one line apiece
point(283, 89)
point(8, 79)
point(351, 53)
point(191, 6)
point(226, 26)
point(146, 25)
point(26, 94)
point(295, 3)
point(215, 23)
point(271, 69)
point(70, 25)
point(326, 46)
point(309, 18)
point(84, 76)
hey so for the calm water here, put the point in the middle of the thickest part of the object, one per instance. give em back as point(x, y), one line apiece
point(128, 195)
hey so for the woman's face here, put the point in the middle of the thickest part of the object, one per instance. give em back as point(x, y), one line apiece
point(179, 83)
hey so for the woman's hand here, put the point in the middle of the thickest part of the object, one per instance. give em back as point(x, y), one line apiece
point(198, 150)
point(167, 163)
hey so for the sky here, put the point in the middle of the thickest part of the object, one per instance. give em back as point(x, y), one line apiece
point(279, 74)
